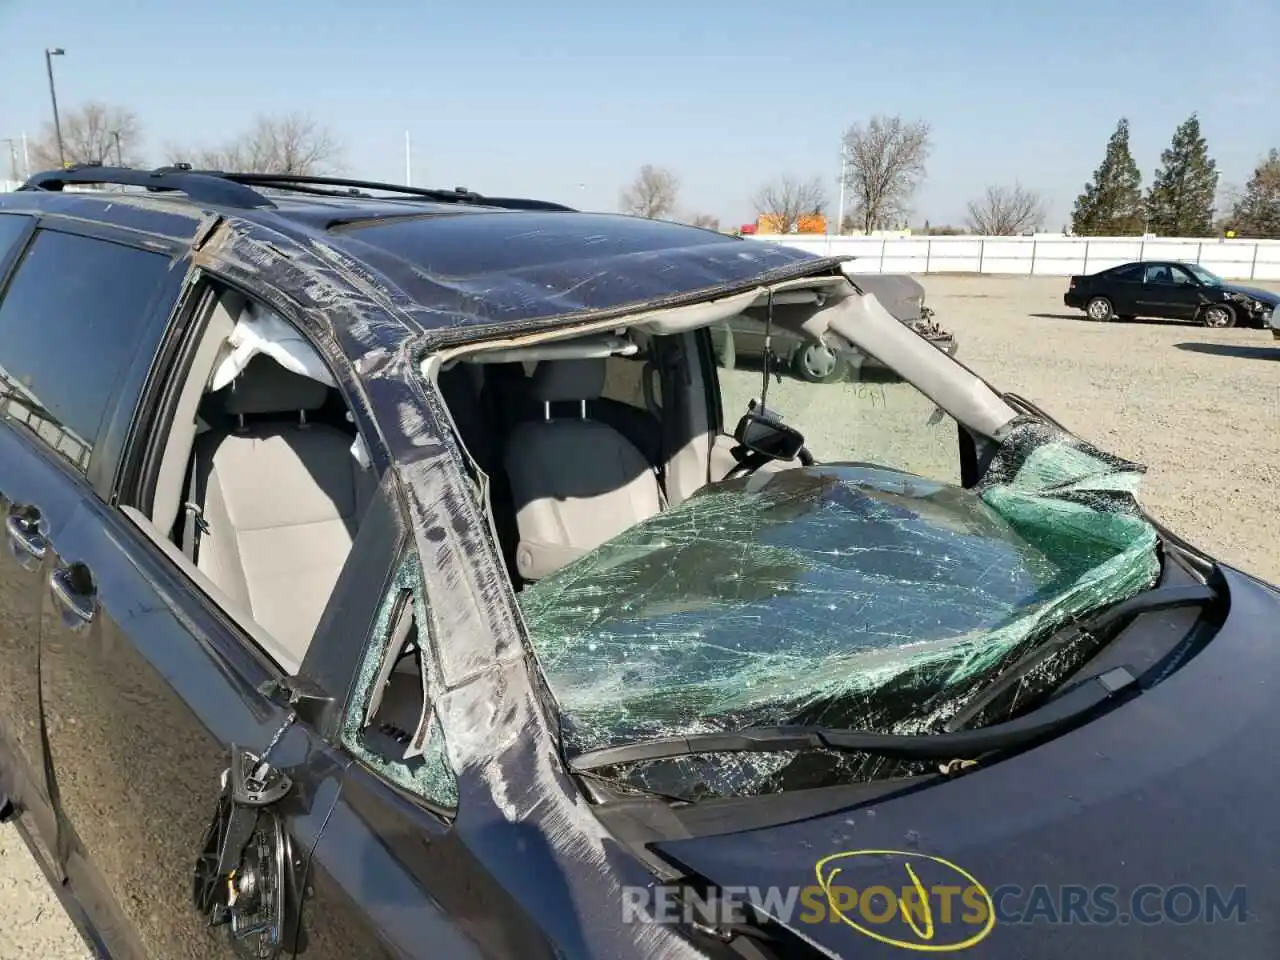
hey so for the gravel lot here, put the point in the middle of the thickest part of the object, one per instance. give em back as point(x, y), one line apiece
point(1199, 407)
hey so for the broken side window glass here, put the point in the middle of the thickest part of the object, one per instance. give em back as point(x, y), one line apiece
point(391, 723)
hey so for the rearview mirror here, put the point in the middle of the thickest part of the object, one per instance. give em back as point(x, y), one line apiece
point(768, 437)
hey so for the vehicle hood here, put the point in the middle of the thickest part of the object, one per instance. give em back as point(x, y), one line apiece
point(1266, 296)
point(847, 595)
point(1164, 805)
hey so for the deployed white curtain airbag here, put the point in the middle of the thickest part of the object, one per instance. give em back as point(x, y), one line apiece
point(260, 330)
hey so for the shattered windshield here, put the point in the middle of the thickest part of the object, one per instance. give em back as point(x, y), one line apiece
point(870, 591)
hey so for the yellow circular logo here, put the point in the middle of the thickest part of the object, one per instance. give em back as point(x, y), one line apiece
point(937, 907)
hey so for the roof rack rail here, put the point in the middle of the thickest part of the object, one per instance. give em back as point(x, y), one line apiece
point(199, 186)
point(300, 182)
point(230, 189)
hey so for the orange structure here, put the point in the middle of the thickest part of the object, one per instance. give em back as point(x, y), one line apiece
point(808, 223)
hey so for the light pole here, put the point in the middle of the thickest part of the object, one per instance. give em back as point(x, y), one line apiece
point(844, 159)
point(49, 54)
point(116, 136)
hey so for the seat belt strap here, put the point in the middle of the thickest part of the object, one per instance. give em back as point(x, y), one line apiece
point(194, 524)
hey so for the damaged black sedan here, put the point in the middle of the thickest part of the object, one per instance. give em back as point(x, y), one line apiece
point(1171, 291)
point(395, 573)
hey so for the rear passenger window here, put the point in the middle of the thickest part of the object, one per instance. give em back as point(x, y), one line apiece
point(69, 323)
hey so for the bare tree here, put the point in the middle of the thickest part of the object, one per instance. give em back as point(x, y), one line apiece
point(91, 133)
point(294, 143)
point(1006, 211)
point(884, 164)
point(705, 220)
point(785, 201)
point(651, 194)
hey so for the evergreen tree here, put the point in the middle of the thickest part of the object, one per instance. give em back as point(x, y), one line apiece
point(1180, 203)
point(1257, 212)
point(1111, 205)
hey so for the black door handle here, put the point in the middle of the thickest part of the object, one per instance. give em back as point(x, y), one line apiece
point(73, 588)
point(23, 528)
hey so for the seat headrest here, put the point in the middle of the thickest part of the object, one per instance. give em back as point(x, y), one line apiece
point(555, 381)
point(266, 387)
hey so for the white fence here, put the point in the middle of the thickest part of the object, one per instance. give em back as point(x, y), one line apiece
point(1039, 256)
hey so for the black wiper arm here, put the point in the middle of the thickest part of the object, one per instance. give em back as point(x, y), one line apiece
point(24, 400)
point(1159, 598)
point(1071, 708)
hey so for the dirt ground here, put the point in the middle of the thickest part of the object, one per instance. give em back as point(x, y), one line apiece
point(1201, 408)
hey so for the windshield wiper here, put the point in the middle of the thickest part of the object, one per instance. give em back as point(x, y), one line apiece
point(1059, 715)
point(1159, 598)
point(25, 401)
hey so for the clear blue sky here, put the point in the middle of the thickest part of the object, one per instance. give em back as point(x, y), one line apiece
point(565, 100)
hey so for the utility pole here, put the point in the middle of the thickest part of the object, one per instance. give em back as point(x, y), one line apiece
point(49, 54)
point(116, 135)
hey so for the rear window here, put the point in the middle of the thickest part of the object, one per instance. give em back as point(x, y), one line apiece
point(69, 323)
point(474, 244)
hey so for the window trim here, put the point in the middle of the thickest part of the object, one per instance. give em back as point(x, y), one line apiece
point(104, 447)
point(10, 259)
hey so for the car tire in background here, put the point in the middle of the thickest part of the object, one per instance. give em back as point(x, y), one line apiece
point(816, 363)
point(1219, 316)
point(1099, 308)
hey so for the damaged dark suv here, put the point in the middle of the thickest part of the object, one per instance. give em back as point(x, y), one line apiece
point(394, 573)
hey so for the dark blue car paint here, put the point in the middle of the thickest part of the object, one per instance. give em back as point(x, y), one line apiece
point(525, 869)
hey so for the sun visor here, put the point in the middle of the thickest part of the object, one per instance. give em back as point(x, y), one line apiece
point(691, 317)
point(580, 348)
point(260, 330)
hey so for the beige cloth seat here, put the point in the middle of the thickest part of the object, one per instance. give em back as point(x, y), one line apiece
point(280, 501)
point(575, 482)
